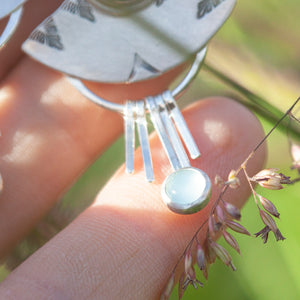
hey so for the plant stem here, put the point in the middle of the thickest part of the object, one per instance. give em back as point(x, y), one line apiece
point(258, 104)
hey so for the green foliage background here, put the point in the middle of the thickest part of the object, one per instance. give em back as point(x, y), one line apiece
point(259, 48)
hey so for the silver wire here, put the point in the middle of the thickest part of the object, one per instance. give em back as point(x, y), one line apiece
point(176, 92)
point(12, 24)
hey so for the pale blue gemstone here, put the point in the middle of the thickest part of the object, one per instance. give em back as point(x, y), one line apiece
point(187, 190)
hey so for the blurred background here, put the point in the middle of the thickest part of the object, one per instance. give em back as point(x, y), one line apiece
point(255, 56)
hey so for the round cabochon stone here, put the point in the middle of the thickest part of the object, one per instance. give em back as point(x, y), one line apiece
point(187, 190)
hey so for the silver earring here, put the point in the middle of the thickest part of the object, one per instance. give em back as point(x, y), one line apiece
point(115, 41)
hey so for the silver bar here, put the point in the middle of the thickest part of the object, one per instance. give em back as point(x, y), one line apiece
point(129, 136)
point(174, 138)
point(192, 73)
point(144, 142)
point(162, 134)
point(181, 125)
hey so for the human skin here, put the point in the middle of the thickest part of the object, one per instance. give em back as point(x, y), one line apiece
point(126, 244)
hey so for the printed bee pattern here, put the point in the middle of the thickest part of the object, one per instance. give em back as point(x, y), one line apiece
point(84, 10)
point(81, 8)
point(206, 6)
point(49, 37)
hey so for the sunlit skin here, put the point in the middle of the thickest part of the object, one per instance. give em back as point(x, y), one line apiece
point(126, 244)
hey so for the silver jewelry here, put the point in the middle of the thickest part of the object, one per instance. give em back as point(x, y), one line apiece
point(165, 116)
point(133, 40)
point(13, 9)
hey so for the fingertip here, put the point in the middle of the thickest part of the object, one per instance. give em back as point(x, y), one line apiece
point(226, 132)
point(128, 233)
point(222, 126)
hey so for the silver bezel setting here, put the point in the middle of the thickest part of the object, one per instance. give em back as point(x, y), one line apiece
point(195, 205)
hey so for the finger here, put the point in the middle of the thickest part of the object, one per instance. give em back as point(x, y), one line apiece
point(34, 12)
point(127, 243)
point(49, 135)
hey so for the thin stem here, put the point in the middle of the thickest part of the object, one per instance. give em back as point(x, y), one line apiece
point(294, 118)
point(295, 180)
point(225, 188)
point(201, 226)
point(277, 123)
point(259, 104)
point(243, 165)
point(251, 186)
point(189, 245)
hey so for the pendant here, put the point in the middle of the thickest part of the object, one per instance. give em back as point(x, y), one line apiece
point(186, 190)
point(89, 42)
point(129, 41)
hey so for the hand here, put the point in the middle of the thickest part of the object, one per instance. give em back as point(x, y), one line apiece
point(127, 243)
